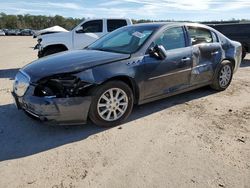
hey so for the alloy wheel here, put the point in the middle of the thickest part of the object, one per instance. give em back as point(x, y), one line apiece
point(225, 76)
point(112, 104)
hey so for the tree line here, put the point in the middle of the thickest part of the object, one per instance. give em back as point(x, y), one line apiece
point(28, 21)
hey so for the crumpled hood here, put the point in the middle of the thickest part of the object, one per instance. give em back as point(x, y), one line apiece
point(70, 61)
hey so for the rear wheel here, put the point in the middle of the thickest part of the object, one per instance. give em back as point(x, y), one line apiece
point(223, 76)
point(111, 104)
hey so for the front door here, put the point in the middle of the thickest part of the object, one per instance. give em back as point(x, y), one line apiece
point(88, 33)
point(172, 73)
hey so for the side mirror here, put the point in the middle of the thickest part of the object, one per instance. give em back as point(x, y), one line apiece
point(158, 52)
point(79, 30)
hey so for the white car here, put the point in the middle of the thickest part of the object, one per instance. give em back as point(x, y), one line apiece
point(81, 36)
point(2, 33)
point(50, 30)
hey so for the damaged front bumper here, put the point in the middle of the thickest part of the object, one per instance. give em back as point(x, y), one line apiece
point(63, 111)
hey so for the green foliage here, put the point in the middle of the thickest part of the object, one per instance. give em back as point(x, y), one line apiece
point(205, 22)
point(41, 22)
point(36, 22)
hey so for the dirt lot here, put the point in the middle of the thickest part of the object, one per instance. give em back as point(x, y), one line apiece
point(197, 139)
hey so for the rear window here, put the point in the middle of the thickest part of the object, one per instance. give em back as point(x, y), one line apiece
point(115, 24)
point(199, 35)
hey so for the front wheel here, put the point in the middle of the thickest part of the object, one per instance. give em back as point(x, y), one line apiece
point(51, 50)
point(111, 104)
point(223, 76)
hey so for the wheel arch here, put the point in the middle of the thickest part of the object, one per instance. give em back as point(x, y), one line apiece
point(215, 81)
point(42, 52)
point(222, 61)
point(55, 45)
point(130, 82)
point(229, 60)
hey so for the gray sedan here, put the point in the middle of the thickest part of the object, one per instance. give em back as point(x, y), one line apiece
point(129, 66)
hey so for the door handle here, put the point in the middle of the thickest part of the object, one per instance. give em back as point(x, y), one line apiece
point(185, 59)
point(214, 53)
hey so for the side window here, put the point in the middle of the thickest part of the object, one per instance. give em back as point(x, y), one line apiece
point(172, 38)
point(199, 35)
point(94, 26)
point(115, 24)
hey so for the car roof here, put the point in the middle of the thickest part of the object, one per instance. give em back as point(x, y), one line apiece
point(169, 24)
point(161, 24)
point(158, 24)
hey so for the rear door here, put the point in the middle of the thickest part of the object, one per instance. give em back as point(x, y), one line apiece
point(207, 53)
point(113, 24)
point(173, 73)
point(88, 33)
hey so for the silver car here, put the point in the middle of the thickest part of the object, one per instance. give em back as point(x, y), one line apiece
point(2, 33)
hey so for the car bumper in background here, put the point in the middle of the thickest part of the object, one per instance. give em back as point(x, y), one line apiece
point(62, 111)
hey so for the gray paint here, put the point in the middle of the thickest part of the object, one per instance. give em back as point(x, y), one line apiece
point(151, 78)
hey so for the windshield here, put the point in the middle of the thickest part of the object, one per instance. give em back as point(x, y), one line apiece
point(124, 40)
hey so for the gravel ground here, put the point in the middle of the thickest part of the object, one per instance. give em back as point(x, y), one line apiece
point(197, 139)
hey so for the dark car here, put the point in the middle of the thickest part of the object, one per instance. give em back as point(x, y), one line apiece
point(12, 32)
point(26, 32)
point(236, 31)
point(2, 33)
point(132, 65)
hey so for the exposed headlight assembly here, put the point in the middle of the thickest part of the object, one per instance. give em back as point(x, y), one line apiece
point(61, 87)
point(21, 83)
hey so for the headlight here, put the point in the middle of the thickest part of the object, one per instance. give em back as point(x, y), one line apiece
point(21, 83)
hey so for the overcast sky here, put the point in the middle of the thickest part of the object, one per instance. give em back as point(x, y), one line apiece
point(193, 10)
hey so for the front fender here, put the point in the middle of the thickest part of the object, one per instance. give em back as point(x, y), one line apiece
point(130, 68)
point(130, 71)
point(57, 39)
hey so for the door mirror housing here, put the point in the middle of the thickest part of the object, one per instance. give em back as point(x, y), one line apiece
point(158, 51)
point(79, 30)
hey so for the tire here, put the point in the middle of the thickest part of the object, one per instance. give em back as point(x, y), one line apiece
point(52, 50)
point(224, 73)
point(101, 104)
